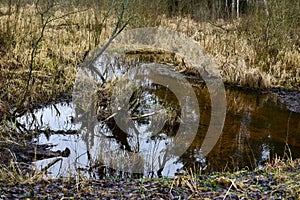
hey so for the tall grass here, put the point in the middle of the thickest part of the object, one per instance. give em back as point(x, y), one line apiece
point(44, 41)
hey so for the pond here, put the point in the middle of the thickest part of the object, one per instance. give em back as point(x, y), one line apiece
point(257, 128)
point(165, 116)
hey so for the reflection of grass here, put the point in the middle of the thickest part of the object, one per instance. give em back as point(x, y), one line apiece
point(137, 99)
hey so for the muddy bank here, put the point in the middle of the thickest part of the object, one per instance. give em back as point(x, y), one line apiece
point(275, 182)
point(28, 152)
point(291, 99)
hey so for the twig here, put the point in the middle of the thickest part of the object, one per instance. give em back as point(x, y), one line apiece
point(232, 184)
point(51, 164)
point(45, 23)
point(114, 34)
point(146, 115)
point(221, 27)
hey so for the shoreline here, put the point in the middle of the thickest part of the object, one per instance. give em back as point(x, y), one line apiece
point(277, 180)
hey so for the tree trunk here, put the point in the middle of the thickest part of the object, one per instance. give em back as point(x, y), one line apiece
point(237, 8)
point(232, 8)
point(266, 7)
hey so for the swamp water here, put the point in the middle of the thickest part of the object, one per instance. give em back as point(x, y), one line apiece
point(257, 127)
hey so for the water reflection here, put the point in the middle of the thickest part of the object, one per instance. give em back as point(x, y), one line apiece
point(257, 127)
point(56, 116)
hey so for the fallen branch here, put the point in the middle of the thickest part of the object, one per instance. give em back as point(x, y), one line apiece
point(146, 115)
point(51, 164)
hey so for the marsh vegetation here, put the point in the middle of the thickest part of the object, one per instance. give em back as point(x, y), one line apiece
point(255, 44)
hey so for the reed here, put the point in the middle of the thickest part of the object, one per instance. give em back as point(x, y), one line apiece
point(255, 50)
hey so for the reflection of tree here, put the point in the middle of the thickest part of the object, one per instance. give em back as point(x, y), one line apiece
point(234, 147)
point(120, 136)
point(244, 141)
point(143, 113)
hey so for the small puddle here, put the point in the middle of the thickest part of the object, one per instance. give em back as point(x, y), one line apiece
point(257, 127)
point(84, 151)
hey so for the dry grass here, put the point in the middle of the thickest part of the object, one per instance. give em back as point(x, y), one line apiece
point(279, 178)
point(75, 31)
point(237, 57)
point(67, 40)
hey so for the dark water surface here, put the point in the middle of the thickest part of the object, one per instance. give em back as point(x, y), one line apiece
point(257, 128)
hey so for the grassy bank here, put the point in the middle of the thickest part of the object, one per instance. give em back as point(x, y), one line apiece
point(279, 179)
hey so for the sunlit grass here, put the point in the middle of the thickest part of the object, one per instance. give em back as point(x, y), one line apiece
point(68, 39)
point(62, 48)
point(238, 57)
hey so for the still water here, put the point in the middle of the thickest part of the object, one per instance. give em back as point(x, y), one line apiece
point(257, 128)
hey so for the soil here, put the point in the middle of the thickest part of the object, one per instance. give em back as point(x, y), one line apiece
point(28, 153)
point(241, 185)
point(291, 100)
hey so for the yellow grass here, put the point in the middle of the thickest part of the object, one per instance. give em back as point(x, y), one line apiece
point(236, 57)
point(69, 38)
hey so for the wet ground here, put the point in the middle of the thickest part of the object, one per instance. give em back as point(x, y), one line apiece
point(291, 100)
point(257, 128)
point(266, 184)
